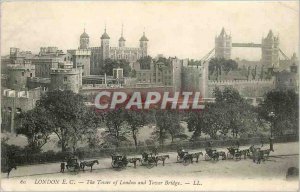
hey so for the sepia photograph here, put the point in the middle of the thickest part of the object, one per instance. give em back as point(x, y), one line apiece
point(149, 95)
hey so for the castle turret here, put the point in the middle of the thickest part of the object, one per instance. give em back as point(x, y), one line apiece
point(270, 51)
point(223, 45)
point(122, 39)
point(144, 45)
point(105, 45)
point(84, 40)
point(66, 77)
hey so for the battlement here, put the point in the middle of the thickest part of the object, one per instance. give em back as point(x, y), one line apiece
point(66, 71)
point(27, 66)
point(234, 82)
point(13, 93)
point(125, 48)
point(81, 52)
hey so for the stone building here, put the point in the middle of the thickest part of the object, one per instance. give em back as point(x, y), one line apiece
point(48, 58)
point(288, 80)
point(16, 56)
point(164, 74)
point(105, 51)
point(82, 55)
point(270, 51)
point(17, 75)
point(65, 77)
point(223, 45)
point(14, 102)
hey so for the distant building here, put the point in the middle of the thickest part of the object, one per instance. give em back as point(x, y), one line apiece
point(162, 74)
point(288, 80)
point(270, 51)
point(82, 55)
point(118, 73)
point(65, 77)
point(48, 58)
point(223, 45)
point(16, 56)
point(105, 51)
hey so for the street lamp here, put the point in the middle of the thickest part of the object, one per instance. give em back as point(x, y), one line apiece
point(272, 116)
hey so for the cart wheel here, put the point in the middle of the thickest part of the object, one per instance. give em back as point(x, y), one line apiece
point(186, 162)
point(150, 165)
point(206, 157)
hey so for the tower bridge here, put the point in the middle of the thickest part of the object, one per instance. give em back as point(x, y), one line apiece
point(269, 48)
point(254, 45)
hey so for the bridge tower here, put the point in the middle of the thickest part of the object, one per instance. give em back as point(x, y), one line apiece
point(223, 45)
point(270, 51)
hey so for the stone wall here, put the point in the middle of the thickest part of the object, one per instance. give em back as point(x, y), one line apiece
point(252, 88)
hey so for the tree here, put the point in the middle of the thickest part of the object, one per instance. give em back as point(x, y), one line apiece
point(284, 105)
point(167, 124)
point(145, 62)
point(110, 64)
point(70, 117)
point(36, 126)
point(230, 112)
point(135, 120)
point(115, 124)
point(216, 65)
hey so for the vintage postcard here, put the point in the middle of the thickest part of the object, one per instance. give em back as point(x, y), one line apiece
point(149, 96)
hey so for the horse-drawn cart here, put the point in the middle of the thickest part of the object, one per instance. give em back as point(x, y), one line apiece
point(73, 165)
point(234, 153)
point(183, 157)
point(119, 161)
point(148, 160)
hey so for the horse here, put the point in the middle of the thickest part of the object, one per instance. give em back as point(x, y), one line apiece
point(266, 152)
point(196, 156)
point(88, 164)
point(161, 158)
point(134, 160)
point(245, 152)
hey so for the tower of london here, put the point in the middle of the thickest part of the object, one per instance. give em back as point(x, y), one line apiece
point(105, 51)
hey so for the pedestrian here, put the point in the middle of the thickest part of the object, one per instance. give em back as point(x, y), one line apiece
point(271, 144)
point(62, 167)
point(238, 143)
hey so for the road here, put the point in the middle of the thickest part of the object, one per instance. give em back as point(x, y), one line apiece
point(273, 170)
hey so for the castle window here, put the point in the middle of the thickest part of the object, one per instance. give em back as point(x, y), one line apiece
point(23, 73)
point(30, 74)
point(65, 79)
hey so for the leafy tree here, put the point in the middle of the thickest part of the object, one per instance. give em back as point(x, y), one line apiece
point(135, 120)
point(284, 105)
point(167, 124)
point(36, 126)
point(116, 128)
point(70, 117)
point(216, 65)
point(145, 62)
point(230, 112)
point(110, 64)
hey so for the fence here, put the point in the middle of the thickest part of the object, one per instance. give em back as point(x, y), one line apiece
point(84, 153)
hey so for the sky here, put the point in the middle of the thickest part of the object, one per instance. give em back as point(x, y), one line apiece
point(182, 29)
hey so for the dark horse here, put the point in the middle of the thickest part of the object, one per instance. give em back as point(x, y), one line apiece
point(88, 164)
